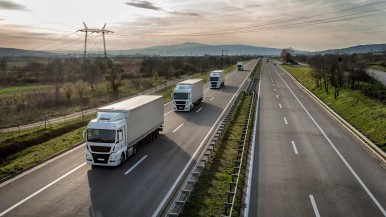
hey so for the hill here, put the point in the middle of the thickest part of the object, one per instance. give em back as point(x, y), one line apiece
point(369, 48)
point(12, 52)
point(196, 49)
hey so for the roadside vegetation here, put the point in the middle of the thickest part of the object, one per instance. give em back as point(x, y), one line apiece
point(210, 192)
point(38, 87)
point(22, 149)
point(362, 104)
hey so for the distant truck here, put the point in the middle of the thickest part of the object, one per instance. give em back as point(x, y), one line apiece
point(187, 94)
point(112, 137)
point(240, 66)
point(217, 79)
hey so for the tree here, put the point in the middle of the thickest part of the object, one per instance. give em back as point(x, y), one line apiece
point(67, 89)
point(80, 86)
point(114, 77)
point(286, 55)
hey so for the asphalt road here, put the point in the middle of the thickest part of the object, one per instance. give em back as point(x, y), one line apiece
point(66, 186)
point(305, 162)
point(379, 75)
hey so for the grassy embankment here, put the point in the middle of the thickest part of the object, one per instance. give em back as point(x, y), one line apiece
point(365, 114)
point(31, 146)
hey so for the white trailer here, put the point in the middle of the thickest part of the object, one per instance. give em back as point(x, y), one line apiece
point(112, 137)
point(187, 94)
point(240, 66)
point(217, 78)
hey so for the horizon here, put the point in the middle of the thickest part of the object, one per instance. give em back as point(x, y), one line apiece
point(302, 25)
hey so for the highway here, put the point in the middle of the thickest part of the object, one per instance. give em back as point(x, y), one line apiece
point(66, 186)
point(305, 162)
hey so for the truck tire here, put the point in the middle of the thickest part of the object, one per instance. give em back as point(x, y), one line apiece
point(122, 159)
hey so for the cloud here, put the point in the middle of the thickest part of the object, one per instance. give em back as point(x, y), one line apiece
point(185, 13)
point(144, 5)
point(9, 5)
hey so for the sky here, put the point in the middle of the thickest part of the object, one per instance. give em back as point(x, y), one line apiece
point(310, 25)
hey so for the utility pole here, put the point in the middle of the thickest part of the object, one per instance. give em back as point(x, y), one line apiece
point(86, 30)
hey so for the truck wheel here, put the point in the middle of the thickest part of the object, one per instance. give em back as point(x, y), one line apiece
point(122, 159)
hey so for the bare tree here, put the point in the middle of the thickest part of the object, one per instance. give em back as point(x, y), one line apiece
point(80, 87)
point(114, 77)
point(67, 89)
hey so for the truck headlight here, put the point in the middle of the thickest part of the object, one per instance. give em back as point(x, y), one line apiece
point(113, 157)
point(88, 156)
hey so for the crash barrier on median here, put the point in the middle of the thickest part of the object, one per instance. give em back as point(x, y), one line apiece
point(234, 184)
point(188, 187)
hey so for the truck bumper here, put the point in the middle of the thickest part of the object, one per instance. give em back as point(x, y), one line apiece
point(101, 159)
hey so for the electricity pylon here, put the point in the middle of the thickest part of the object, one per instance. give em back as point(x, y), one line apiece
point(86, 30)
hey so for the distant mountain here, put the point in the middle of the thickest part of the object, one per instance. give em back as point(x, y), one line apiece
point(370, 48)
point(196, 49)
point(19, 52)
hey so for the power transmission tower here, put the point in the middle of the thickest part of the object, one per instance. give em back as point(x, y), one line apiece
point(86, 30)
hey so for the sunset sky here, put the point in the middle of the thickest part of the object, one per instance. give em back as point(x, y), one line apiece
point(310, 25)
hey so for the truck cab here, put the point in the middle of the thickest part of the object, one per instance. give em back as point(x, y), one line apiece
point(217, 79)
point(182, 98)
point(106, 139)
point(240, 66)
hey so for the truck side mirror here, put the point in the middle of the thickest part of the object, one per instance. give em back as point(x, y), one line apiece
point(120, 136)
point(84, 134)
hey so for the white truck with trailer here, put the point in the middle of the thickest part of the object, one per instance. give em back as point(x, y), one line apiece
point(187, 94)
point(217, 79)
point(240, 66)
point(112, 137)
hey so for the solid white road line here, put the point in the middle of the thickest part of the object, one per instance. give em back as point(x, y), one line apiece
point(40, 190)
point(211, 99)
point(168, 112)
point(178, 128)
point(250, 169)
point(336, 150)
point(295, 149)
point(279, 105)
point(314, 206)
point(199, 109)
point(156, 212)
point(285, 120)
point(135, 165)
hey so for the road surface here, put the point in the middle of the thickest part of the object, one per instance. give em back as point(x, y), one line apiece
point(305, 162)
point(66, 186)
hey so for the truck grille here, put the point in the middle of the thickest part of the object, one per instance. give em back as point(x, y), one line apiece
point(214, 84)
point(180, 102)
point(101, 158)
point(100, 148)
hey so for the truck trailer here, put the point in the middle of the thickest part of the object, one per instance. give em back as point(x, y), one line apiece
point(187, 94)
point(113, 136)
point(240, 66)
point(217, 79)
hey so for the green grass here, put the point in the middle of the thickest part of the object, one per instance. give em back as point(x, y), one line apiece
point(378, 67)
point(21, 89)
point(364, 113)
point(211, 190)
point(37, 153)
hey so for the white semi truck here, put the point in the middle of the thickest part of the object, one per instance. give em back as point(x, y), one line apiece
point(187, 94)
point(112, 137)
point(240, 66)
point(217, 79)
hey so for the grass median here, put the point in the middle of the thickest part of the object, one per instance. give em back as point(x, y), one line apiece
point(365, 114)
point(211, 190)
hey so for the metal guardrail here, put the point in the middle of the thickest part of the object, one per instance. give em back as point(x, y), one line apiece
point(233, 185)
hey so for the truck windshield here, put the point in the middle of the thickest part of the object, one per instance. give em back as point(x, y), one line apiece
point(100, 135)
point(180, 96)
point(213, 78)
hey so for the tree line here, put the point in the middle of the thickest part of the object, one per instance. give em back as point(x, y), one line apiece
point(334, 72)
